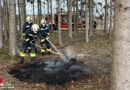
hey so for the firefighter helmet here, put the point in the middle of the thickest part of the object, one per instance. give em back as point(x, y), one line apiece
point(35, 28)
point(43, 21)
point(28, 19)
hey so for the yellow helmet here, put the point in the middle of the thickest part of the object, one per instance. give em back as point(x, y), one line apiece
point(35, 28)
point(43, 21)
point(28, 19)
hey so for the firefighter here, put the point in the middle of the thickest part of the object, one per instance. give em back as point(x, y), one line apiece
point(27, 25)
point(29, 43)
point(44, 34)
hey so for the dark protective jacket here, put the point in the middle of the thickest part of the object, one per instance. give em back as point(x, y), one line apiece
point(26, 27)
point(29, 43)
point(30, 35)
point(43, 32)
point(29, 39)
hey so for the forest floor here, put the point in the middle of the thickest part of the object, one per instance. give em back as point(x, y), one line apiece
point(96, 54)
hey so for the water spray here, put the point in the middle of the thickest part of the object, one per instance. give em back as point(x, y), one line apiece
point(63, 56)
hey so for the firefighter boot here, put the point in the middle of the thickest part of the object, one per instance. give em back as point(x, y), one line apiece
point(32, 59)
point(32, 55)
point(22, 55)
point(43, 51)
point(21, 60)
point(49, 51)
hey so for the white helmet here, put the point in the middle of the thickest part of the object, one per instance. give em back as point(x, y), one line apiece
point(43, 22)
point(35, 28)
point(28, 19)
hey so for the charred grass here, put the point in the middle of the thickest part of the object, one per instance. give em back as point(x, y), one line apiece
point(98, 53)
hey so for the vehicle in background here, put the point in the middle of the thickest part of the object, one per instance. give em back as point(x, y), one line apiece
point(64, 23)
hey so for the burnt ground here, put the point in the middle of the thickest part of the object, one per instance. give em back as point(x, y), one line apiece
point(55, 72)
point(92, 71)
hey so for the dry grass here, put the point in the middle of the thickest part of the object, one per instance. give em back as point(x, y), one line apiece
point(98, 55)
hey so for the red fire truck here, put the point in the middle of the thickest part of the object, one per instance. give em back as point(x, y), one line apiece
point(64, 24)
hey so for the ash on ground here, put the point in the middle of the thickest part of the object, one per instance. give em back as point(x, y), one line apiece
point(51, 72)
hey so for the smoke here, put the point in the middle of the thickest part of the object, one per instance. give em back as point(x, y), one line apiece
point(70, 52)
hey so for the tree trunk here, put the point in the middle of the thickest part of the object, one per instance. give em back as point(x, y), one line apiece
point(20, 26)
point(121, 46)
point(39, 12)
point(22, 16)
point(38, 18)
point(24, 10)
point(51, 15)
point(87, 21)
point(5, 21)
point(111, 17)
point(44, 8)
point(1, 40)
point(77, 15)
point(92, 15)
point(74, 15)
point(12, 27)
point(7, 15)
point(34, 11)
point(106, 14)
point(90, 18)
point(82, 15)
point(70, 18)
point(48, 10)
point(59, 22)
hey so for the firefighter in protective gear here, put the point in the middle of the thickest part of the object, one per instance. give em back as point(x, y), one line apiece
point(29, 43)
point(27, 25)
point(44, 34)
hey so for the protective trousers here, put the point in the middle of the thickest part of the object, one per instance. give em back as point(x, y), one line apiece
point(31, 49)
point(45, 47)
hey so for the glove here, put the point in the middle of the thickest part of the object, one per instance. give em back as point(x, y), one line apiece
point(48, 34)
point(27, 40)
point(23, 34)
point(47, 38)
point(42, 40)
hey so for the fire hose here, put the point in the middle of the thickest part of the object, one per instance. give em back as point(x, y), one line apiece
point(41, 48)
point(63, 56)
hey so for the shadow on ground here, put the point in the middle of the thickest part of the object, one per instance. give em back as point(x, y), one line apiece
point(51, 72)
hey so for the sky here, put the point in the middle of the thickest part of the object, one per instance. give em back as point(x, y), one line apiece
point(29, 10)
